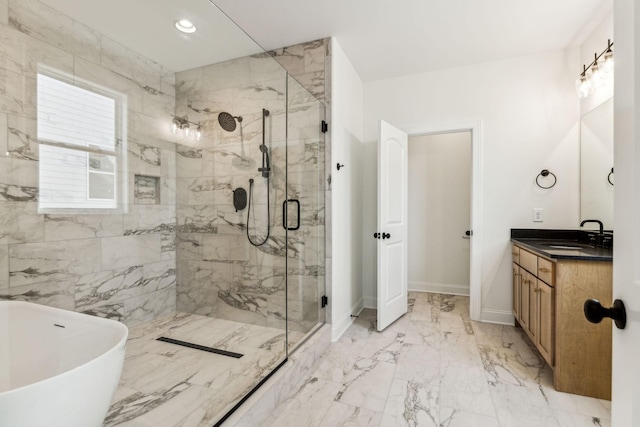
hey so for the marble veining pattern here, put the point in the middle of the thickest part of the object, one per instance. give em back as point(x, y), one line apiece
point(164, 384)
point(22, 138)
point(436, 367)
point(209, 229)
point(119, 265)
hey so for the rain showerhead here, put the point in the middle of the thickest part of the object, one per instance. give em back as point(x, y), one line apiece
point(228, 122)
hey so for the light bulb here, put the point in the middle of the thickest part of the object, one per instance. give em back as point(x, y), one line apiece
point(175, 126)
point(596, 76)
point(583, 86)
point(185, 26)
point(607, 64)
point(199, 133)
point(186, 129)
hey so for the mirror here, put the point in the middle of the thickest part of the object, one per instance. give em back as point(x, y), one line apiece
point(596, 165)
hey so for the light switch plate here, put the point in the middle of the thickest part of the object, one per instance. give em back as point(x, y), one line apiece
point(537, 214)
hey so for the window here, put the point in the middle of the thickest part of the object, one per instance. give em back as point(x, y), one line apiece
point(79, 131)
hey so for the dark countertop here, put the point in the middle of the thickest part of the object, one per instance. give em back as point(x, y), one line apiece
point(548, 243)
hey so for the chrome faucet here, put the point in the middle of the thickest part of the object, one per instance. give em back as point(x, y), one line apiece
point(594, 220)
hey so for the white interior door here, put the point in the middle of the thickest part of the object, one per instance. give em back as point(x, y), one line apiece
point(392, 224)
point(626, 253)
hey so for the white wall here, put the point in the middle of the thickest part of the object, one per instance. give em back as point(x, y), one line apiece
point(346, 136)
point(530, 114)
point(439, 212)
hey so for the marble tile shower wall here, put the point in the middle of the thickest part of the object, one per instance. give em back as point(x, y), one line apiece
point(219, 272)
point(115, 265)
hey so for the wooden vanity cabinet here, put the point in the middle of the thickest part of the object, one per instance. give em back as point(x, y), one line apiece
point(534, 301)
point(547, 303)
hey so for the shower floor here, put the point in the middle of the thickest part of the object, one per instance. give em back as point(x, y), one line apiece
point(165, 384)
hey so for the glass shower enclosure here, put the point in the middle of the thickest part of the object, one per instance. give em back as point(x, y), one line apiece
point(250, 214)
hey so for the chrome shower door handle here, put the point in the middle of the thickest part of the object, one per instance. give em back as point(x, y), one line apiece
point(285, 221)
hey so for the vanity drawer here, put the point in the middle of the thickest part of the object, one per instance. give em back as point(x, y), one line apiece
point(546, 271)
point(515, 254)
point(529, 261)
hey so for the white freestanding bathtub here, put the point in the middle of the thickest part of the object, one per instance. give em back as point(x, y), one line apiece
point(58, 368)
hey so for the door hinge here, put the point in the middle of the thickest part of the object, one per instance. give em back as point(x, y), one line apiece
point(324, 127)
point(324, 300)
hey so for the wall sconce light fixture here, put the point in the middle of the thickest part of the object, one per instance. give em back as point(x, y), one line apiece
point(600, 72)
point(183, 125)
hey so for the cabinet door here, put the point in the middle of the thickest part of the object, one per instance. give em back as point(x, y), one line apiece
point(546, 322)
point(516, 291)
point(524, 299)
point(532, 287)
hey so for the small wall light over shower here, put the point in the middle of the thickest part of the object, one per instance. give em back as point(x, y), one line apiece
point(184, 126)
point(600, 72)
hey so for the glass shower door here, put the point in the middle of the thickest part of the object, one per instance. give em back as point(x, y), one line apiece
point(304, 213)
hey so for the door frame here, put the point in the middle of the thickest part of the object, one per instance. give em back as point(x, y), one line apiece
point(475, 258)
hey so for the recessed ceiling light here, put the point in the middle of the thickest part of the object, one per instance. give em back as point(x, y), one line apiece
point(185, 26)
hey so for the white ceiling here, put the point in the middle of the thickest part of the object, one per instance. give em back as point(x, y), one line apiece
point(385, 38)
point(382, 38)
point(147, 26)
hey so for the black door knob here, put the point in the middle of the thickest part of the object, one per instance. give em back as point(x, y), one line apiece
point(386, 235)
point(595, 312)
point(376, 235)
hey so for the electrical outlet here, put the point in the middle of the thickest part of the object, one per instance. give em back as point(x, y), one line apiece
point(537, 214)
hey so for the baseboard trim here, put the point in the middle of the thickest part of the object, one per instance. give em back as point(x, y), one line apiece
point(500, 317)
point(439, 288)
point(341, 326)
point(371, 302)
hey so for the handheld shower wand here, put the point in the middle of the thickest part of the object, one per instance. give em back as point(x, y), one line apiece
point(265, 174)
point(263, 148)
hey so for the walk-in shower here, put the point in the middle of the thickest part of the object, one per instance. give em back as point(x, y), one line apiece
point(158, 236)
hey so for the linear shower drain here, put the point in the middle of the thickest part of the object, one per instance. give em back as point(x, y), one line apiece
point(201, 347)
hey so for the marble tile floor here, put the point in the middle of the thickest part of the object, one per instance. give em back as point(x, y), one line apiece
point(164, 384)
point(435, 367)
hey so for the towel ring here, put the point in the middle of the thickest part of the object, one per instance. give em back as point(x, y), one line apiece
point(609, 176)
point(543, 173)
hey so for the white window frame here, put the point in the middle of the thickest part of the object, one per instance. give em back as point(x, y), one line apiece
point(120, 172)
